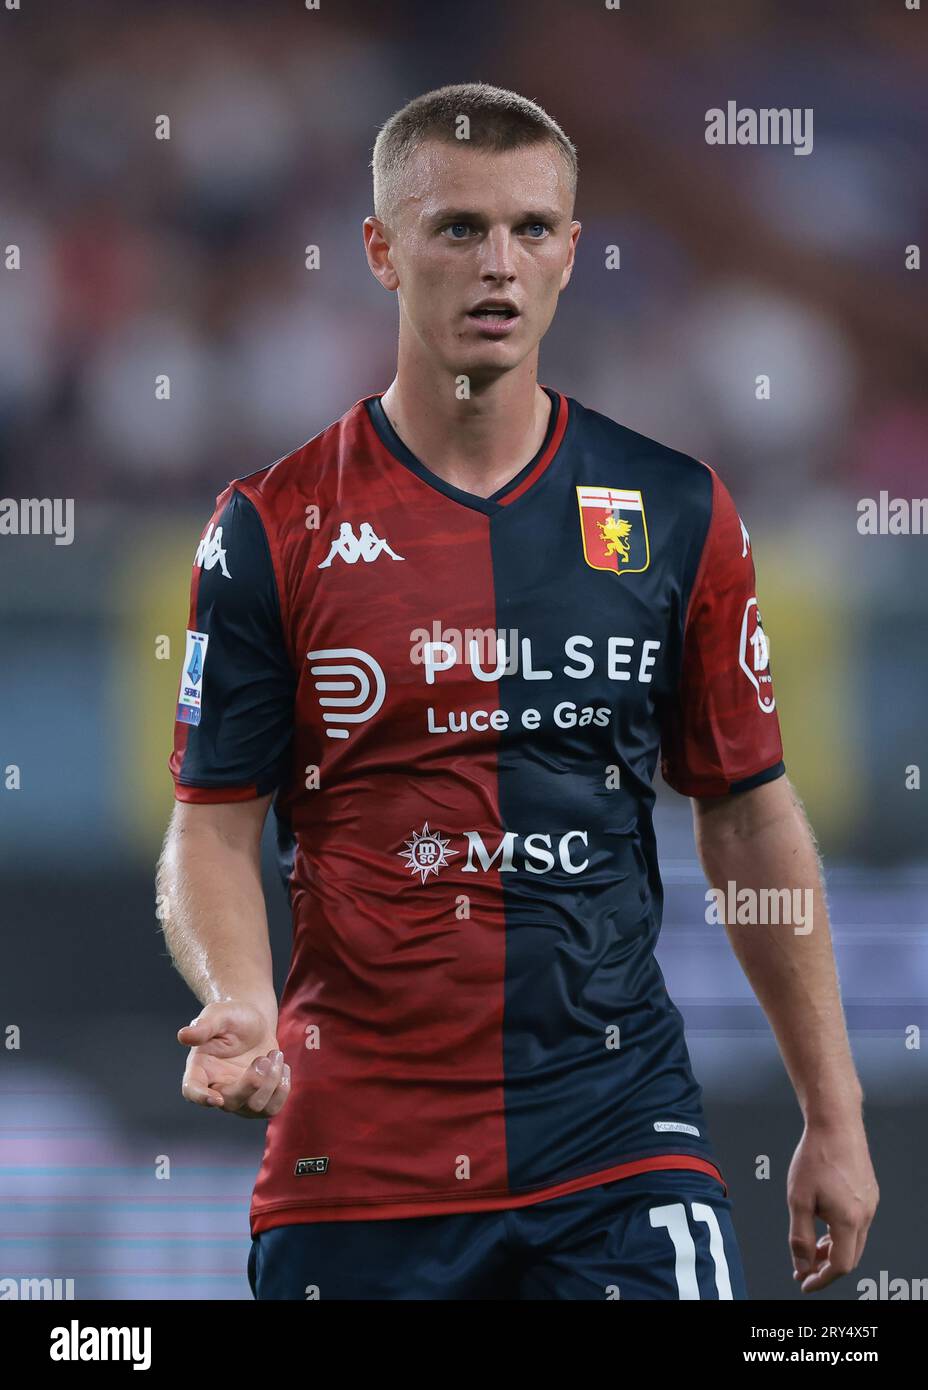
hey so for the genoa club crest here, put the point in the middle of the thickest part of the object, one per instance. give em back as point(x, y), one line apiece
point(615, 533)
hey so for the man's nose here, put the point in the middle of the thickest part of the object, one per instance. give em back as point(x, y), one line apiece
point(497, 257)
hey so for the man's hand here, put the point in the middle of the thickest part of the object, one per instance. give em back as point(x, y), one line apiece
point(830, 1177)
point(234, 1061)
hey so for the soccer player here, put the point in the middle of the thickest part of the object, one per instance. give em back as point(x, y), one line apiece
point(451, 636)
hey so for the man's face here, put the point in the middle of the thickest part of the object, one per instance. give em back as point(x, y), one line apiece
point(474, 225)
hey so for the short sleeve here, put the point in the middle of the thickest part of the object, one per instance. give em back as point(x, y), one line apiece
point(720, 732)
point(234, 716)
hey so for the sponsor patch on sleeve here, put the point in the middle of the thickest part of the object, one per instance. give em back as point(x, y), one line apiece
point(190, 698)
point(754, 656)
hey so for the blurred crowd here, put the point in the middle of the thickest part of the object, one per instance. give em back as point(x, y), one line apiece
point(185, 256)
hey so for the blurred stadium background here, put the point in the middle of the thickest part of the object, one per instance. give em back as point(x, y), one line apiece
point(187, 257)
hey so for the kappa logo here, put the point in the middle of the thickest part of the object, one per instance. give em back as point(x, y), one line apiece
point(366, 546)
point(614, 529)
point(210, 552)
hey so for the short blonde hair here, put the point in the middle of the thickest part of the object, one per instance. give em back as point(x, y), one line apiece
point(498, 120)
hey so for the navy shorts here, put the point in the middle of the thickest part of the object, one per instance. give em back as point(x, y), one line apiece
point(660, 1235)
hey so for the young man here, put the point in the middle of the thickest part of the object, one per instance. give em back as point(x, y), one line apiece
point(453, 633)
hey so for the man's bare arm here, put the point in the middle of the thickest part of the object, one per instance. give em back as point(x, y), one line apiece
point(211, 905)
point(212, 902)
point(761, 839)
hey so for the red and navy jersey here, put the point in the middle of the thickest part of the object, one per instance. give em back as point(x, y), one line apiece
point(460, 704)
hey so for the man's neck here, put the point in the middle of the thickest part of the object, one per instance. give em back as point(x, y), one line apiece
point(478, 444)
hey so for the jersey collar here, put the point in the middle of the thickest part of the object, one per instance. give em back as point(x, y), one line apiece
point(503, 497)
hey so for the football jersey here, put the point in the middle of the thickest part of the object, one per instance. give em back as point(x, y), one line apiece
point(460, 704)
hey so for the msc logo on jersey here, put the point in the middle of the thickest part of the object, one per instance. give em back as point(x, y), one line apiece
point(754, 656)
point(427, 852)
point(614, 529)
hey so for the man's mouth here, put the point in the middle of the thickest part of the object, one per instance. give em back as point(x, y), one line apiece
point(501, 313)
point(496, 318)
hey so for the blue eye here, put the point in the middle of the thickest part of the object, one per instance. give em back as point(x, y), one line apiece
point(451, 230)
